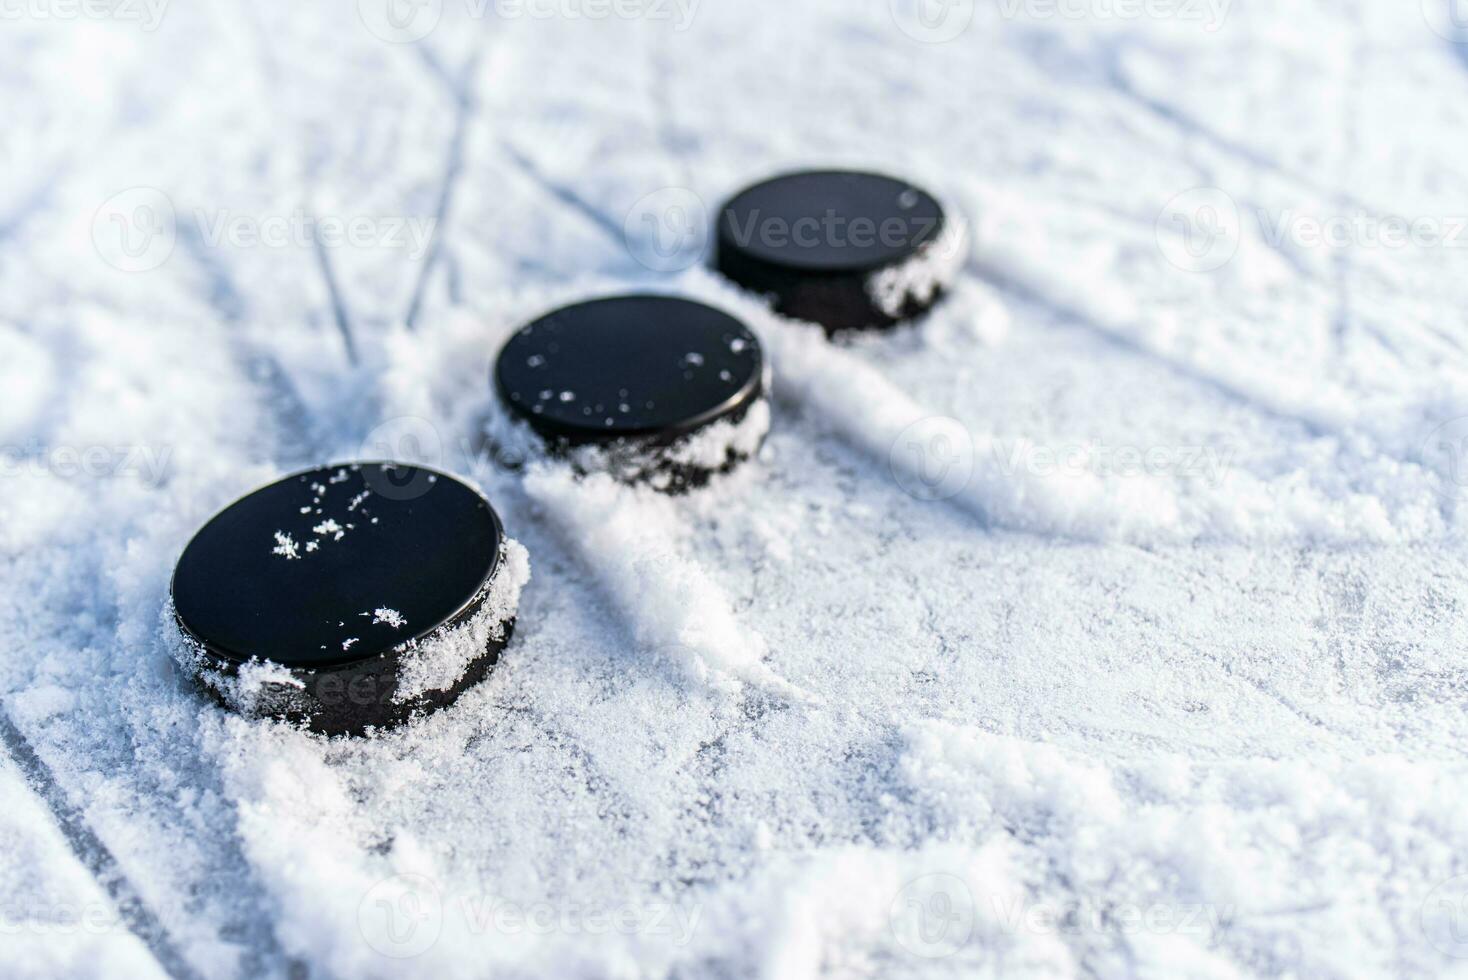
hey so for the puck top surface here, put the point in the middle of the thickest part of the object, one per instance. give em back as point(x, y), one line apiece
point(830, 221)
point(336, 565)
point(629, 366)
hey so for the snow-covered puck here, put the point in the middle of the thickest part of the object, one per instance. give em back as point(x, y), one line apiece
point(349, 597)
point(649, 388)
point(847, 250)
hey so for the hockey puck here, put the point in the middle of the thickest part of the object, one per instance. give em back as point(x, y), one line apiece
point(847, 250)
point(348, 598)
point(651, 389)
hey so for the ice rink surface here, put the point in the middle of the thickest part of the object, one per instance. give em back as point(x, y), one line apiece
point(1108, 624)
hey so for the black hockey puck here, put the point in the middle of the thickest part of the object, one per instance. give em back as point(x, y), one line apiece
point(349, 597)
point(649, 388)
point(847, 250)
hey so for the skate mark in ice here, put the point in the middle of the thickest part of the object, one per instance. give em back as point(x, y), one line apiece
point(453, 276)
point(1260, 684)
point(1330, 411)
point(598, 784)
point(1023, 278)
point(439, 70)
point(339, 312)
point(94, 855)
point(224, 296)
point(670, 135)
point(1285, 253)
point(287, 410)
point(562, 193)
point(705, 808)
point(465, 105)
point(266, 59)
point(1121, 83)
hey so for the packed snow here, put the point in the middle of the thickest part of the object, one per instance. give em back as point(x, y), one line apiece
point(1104, 624)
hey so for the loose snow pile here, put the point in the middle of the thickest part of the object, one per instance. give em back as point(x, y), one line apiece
point(440, 661)
point(1107, 624)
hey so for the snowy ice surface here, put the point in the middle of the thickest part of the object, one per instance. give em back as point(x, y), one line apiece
point(1107, 624)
